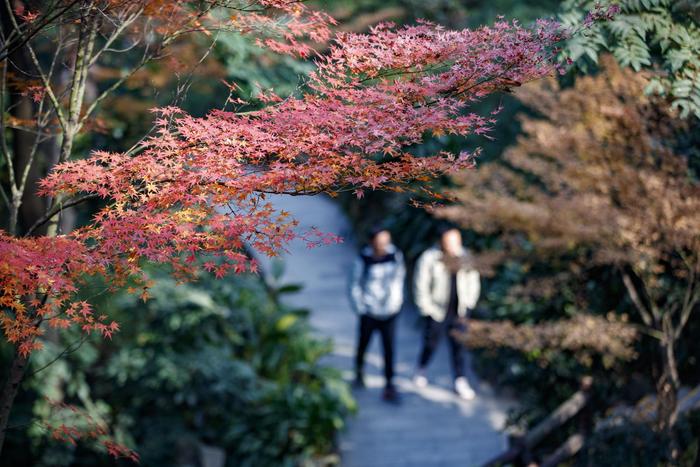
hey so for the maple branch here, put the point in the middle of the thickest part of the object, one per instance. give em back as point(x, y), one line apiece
point(175, 34)
point(24, 425)
point(248, 8)
point(636, 299)
point(402, 71)
point(93, 105)
point(292, 193)
point(655, 310)
point(691, 298)
point(27, 37)
point(32, 155)
point(67, 351)
point(45, 81)
point(3, 140)
point(184, 86)
point(122, 25)
point(145, 58)
point(478, 83)
point(56, 210)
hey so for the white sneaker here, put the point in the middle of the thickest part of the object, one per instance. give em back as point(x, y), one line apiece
point(463, 389)
point(419, 379)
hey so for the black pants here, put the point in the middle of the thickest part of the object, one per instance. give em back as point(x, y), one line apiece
point(386, 329)
point(431, 337)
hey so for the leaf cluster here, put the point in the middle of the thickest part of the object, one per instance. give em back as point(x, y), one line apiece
point(658, 35)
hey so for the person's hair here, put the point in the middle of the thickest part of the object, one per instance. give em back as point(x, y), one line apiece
point(444, 227)
point(376, 230)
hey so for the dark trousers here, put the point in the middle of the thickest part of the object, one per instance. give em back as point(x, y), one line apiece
point(385, 327)
point(431, 337)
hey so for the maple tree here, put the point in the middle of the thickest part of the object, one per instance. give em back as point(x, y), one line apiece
point(51, 54)
point(193, 191)
point(599, 179)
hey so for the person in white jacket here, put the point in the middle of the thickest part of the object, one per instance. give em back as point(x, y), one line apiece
point(376, 293)
point(446, 287)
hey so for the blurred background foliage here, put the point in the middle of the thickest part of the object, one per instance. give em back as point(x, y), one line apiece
point(216, 363)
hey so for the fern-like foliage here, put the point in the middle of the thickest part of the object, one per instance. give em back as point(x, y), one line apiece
point(658, 35)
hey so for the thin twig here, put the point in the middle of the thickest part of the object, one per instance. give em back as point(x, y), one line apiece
point(27, 37)
point(68, 350)
point(56, 210)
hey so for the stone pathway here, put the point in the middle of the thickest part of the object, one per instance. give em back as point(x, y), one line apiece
point(432, 427)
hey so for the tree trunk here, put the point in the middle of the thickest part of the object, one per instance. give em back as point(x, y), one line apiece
point(667, 392)
point(9, 391)
point(667, 401)
point(78, 86)
point(669, 382)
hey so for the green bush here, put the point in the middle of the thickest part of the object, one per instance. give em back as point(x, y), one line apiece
point(220, 363)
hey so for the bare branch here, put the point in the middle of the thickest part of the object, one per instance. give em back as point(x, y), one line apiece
point(636, 299)
point(93, 105)
point(44, 79)
point(67, 351)
point(57, 208)
point(690, 300)
point(32, 155)
point(121, 27)
point(25, 38)
point(3, 140)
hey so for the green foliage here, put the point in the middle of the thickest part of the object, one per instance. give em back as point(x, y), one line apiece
point(219, 363)
point(658, 35)
point(451, 13)
point(254, 68)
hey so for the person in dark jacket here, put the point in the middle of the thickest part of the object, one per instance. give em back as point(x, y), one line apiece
point(376, 294)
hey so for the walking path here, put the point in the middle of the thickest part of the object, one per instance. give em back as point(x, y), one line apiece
point(432, 427)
